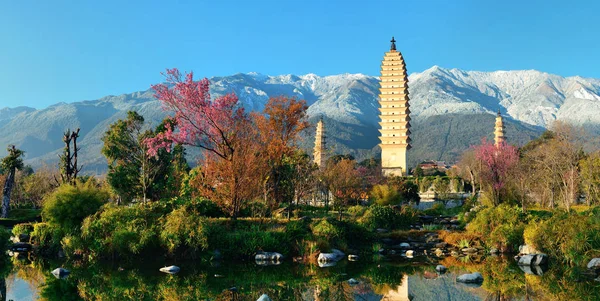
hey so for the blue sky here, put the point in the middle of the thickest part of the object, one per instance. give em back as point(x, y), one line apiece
point(53, 51)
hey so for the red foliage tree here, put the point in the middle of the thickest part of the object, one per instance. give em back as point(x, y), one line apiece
point(496, 163)
point(279, 126)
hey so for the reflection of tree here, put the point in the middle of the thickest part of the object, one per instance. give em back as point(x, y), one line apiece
point(5, 270)
point(503, 280)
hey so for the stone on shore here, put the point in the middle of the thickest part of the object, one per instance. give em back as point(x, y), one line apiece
point(594, 264)
point(527, 249)
point(264, 297)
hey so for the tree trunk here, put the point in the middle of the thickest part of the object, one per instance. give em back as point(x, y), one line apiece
point(8, 186)
point(2, 289)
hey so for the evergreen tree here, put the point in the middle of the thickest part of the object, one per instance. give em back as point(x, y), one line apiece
point(10, 164)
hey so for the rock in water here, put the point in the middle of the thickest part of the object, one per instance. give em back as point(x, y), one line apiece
point(352, 257)
point(353, 281)
point(594, 264)
point(334, 256)
point(440, 269)
point(533, 259)
point(170, 269)
point(264, 297)
point(470, 278)
point(527, 249)
point(268, 258)
point(21, 247)
point(60, 273)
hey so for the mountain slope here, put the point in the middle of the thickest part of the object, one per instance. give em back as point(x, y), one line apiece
point(451, 110)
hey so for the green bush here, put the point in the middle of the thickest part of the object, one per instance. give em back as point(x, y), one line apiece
point(123, 230)
point(68, 205)
point(204, 207)
point(357, 211)
point(182, 229)
point(389, 218)
point(436, 209)
point(385, 195)
point(570, 237)
point(46, 236)
point(245, 243)
point(327, 229)
point(25, 228)
point(4, 239)
point(500, 227)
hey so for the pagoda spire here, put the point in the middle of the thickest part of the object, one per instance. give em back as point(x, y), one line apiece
point(394, 131)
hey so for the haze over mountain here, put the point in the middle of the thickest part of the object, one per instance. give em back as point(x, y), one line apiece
point(451, 109)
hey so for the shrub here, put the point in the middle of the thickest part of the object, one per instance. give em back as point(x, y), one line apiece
point(456, 238)
point(357, 211)
point(245, 243)
point(68, 205)
point(385, 195)
point(4, 239)
point(436, 209)
point(123, 230)
point(327, 229)
point(570, 237)
point(204, 207)
point(184, 229)
point(501, 226)
point(25, 228)
point(389, 218)
point(46, 236)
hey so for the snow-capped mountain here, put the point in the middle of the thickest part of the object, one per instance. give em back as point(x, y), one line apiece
point(451, 109)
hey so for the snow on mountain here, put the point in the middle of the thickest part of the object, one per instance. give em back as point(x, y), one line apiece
point(347, 100)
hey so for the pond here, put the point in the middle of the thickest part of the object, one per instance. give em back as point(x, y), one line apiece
point(409, 279)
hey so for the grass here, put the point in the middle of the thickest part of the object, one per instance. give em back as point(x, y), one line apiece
point(432, 227)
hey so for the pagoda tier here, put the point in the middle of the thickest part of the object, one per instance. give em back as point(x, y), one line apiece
point(394, 113)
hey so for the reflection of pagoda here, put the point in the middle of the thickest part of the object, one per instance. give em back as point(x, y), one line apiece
point(399, 294)
point(394, 113)
point(499, 137)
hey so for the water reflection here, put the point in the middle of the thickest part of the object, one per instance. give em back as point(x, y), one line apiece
point(24, 279)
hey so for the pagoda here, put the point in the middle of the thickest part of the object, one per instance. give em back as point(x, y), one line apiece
point(499, 137)
point(320, 147)
point(394, 113)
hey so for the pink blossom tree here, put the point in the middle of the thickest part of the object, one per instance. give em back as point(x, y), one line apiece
point(218, 126)
point(496, 163)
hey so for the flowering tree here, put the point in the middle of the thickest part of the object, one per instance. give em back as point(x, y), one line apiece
point(221, 128)
point(496, 164)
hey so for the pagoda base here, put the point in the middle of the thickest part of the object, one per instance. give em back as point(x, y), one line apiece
point(393, 172)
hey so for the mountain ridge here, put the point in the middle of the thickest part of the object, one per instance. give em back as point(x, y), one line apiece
point(531, 99)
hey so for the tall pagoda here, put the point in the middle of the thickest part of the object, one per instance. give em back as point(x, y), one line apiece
point(320, 146)
point(394, 113)
point(499, 137)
